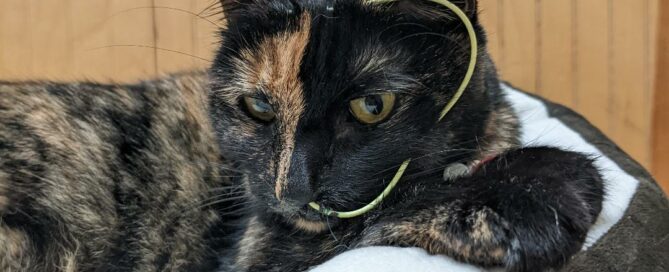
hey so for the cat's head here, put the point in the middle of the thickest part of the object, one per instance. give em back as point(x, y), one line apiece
point(322, 100)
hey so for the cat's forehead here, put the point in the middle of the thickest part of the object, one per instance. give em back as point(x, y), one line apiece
point(316, 56)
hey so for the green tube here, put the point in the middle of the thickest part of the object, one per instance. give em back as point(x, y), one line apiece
point(465, 82)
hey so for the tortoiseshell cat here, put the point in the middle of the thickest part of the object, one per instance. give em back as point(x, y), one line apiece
point(323, 100)
point(307, 100)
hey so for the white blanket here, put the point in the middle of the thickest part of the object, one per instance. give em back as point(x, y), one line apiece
point(538, 128)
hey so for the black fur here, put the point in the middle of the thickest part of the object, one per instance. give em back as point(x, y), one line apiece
point(538, 203)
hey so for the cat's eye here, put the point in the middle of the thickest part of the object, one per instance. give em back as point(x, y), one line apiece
point(373, 108)
point(259, 108)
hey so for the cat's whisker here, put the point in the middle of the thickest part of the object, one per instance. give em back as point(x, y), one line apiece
point(402, 24)
point(450, 39)
point(197, 15)
point(151, 47)
point(233, 188)
point(205, 205)
point(219, 197)
point(224, 196)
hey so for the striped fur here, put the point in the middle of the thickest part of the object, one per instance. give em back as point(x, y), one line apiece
point(106, 177)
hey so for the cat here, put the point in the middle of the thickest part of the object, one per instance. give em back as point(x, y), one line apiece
point(307, 100)
point(100, 177)
point(323, 100)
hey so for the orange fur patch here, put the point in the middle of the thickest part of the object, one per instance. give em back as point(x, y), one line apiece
point(275, 68)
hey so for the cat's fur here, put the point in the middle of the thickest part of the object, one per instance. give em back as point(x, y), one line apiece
point(527, 209)
point(122, 177)
point(107, 177)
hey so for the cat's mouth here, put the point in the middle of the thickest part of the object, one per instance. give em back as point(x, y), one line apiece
point(310, 220)
point(301, 216)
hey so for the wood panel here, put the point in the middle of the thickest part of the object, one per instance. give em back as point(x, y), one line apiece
point(517, 58)
point(555, 77)
point(133, 39)
point(591, 82)
point(16, 33)
point(46, 29)
point(177, 23)
point(490, 12)
point(629, 107)
point(596, 56)
point(91, 38)
point(661, 112)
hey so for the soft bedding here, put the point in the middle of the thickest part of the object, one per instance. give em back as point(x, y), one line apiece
point(631, 233)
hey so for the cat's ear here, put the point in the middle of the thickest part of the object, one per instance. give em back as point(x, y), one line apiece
point(432, 10)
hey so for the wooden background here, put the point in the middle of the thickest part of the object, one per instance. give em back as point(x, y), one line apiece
point(599, 57)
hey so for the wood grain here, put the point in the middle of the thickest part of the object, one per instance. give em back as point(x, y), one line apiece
point(591, 82)
point(16, 33)
point(555, 78)
point(57, 33)
point(661, 109)
point(489, 12)
point(177, 23)
point(629, 109)
point(134, 39)
point(93, 59)
point(518, 47)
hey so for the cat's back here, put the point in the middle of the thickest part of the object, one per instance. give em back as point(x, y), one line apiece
point(94, 174)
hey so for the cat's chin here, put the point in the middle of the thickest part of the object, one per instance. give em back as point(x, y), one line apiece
point(309, 220)
point(306, 219)
point(303, 219)
point(310, 225)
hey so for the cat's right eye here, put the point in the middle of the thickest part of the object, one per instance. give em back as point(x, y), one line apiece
point(259, 108)
point(372, 109)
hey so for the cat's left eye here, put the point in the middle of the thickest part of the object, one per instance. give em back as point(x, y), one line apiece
point(259, 109)
point(372, 109)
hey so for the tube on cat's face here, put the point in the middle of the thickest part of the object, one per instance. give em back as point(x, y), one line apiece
point(308, 62)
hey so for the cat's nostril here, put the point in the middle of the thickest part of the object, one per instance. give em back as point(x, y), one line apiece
point(298, 193)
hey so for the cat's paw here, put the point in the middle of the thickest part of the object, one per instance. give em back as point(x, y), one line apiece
point(548, 197)
point(526, 210)
point(472, 235)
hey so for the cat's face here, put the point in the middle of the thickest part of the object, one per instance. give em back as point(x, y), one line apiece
point(323, 100)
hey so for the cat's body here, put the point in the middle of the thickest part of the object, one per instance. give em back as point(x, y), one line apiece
point(307, 101)
point(106, 177)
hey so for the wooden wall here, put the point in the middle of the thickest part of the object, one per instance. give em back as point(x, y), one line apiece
point(596, 56)
point(660, 142)
point(103, 39)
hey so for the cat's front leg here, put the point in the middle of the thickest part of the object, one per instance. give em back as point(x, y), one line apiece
point(527, 210)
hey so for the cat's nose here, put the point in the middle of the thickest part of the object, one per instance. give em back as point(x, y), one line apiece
point(298, 189)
